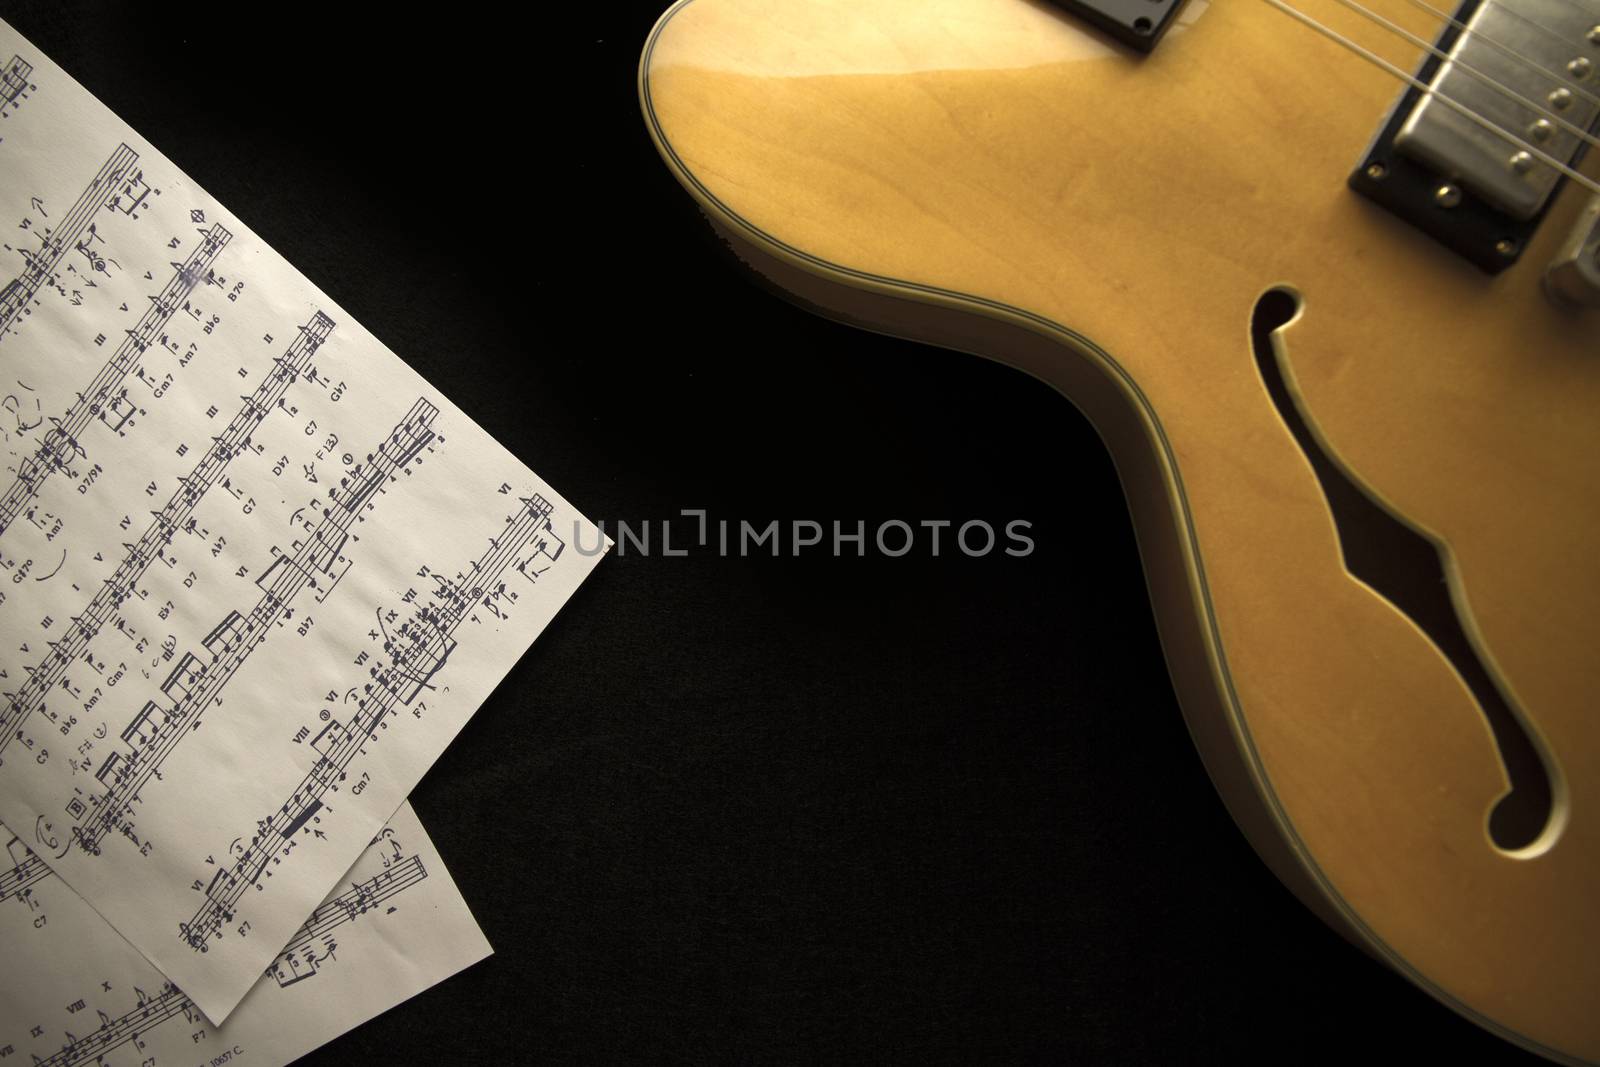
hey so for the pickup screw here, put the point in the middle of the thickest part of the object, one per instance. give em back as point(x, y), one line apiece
point(1594, 35)
point(1580, 68)
point(1561, 99)
point(1447, 196)
point(1507, 248)
point(1521, 163)
point(1542, 130)
point(1377, 171)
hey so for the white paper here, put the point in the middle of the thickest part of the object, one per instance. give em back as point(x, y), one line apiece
point(256, 573)
point(74, 992)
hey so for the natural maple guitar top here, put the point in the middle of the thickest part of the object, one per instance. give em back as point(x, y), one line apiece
point(993, 158)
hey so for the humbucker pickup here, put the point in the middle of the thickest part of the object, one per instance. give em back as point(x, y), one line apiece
point(1527, 68)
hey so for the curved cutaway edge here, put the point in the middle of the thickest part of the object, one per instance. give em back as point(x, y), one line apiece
point(1236, 763)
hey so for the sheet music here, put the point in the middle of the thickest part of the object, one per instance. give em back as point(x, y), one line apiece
point(73, 992)
point(255, 573)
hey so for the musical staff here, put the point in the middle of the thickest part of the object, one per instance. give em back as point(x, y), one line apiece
point(299, 959)
point(61, 444)
point(102, 608)
point(195, 684)
point(14, 84)
point(207, 522)
point(147, 1014)
point(304, 956)
point(40, 266)
point(16, 881)
point(415, 653)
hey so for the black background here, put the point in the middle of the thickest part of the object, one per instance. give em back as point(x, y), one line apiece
point(747, 809)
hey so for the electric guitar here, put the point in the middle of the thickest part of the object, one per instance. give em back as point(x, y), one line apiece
point(1325, 274)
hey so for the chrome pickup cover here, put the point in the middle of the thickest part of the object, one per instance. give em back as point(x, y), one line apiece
point(1542, 50)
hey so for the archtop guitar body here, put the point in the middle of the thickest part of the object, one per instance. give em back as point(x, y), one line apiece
point(1280, 367)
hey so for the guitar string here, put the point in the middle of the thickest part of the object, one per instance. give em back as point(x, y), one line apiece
point(1445, 16)
point(1489, 80)
point(1580, 6)
point(1417, 83)
point(1480, 75)
point(1508, 50)
point(1533, 24)
point(1466, 30)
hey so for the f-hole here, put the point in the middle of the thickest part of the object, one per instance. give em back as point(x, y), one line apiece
point(1406, 569)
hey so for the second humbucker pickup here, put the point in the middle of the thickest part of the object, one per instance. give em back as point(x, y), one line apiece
point(1528, 68)
point(1502, 107)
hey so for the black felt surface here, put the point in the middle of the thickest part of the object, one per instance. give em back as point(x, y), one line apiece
point(747, 809)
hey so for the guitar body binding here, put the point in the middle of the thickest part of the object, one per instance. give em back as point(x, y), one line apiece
point(952, 173)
